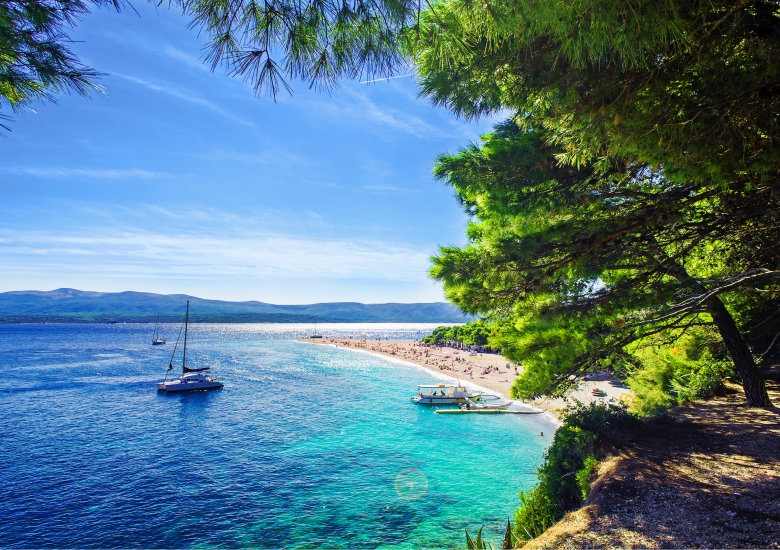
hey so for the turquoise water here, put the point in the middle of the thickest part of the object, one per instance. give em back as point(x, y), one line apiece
point(306, 446)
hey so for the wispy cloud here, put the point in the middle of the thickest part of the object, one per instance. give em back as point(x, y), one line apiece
point(267, 156)
point(178, 55)
point(390, 189)
point(88, 173)
point(187, 96)
point(398, 120)
point(355, 107)
point(126, 253)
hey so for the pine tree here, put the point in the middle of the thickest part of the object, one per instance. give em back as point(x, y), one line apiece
point(582, 262)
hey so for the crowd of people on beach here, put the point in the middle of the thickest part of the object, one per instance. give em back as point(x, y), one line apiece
point(457, 362)
point(428, 354)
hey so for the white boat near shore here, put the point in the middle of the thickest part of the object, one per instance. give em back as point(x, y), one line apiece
point(442, 394)
point(486, 402)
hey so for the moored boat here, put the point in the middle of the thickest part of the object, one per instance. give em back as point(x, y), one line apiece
point(442, 394)
point(316, 334)
point(486, 402)
point(156, 340)
point(190, 379)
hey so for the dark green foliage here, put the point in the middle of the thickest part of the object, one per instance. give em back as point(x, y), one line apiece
point(569, 463)
point(537, 513)
point(689, 84)
point(269, 43)
point(476, 333)
point(637, 194)
point(576, 263)
point(585, 475)
point(35, 60)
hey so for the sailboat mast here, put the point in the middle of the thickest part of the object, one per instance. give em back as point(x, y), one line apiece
point(186, 322)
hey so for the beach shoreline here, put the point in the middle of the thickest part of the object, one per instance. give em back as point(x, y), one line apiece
point(488, 372)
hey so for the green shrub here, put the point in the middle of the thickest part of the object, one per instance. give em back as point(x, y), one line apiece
point(536, 514)
point(585, 474)
point(651, 385)
point(701, 381)
point(568, 466)
point(667, 375)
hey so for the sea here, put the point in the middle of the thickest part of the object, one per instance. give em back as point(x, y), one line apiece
point(306, 446)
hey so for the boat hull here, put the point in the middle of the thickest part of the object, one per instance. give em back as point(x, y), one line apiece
point(158, 342)
point(177, 386)
point(428, 400)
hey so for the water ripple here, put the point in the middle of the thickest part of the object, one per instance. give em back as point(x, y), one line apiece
point(301, 449)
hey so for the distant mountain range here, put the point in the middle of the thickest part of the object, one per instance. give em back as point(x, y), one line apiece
point(67, 305)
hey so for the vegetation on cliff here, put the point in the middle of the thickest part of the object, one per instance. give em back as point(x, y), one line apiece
point(474, 333)
point(567, 470)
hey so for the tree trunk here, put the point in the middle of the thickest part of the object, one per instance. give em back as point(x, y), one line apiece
point(752, 381)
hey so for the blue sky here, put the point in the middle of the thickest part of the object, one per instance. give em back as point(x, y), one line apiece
point(179, 180)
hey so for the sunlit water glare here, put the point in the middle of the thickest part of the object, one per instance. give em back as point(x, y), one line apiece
point(306, 446)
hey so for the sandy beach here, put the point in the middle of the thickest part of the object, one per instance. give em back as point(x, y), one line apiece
point(488, 370)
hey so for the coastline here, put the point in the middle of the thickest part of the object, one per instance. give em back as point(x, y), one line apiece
point(486, 371)
point(454, 366)
point(497, 382)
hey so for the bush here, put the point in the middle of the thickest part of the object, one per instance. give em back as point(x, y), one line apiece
point(702, 381)
point(536, 514)
point(567, 470)
point(585, 475)
point(675, 374)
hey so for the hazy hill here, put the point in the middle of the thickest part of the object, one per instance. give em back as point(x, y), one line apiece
point(70, 305)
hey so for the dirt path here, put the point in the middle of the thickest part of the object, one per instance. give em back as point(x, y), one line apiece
point(706, 477)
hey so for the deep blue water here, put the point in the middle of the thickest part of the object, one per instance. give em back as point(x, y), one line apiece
point(306, 446)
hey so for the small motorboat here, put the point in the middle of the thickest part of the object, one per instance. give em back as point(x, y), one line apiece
point(190, 379)
point(598, 393)
point(486, 402)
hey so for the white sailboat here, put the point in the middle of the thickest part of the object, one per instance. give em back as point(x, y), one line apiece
point(316, 334)
point(156, 340)
point(190, 379)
